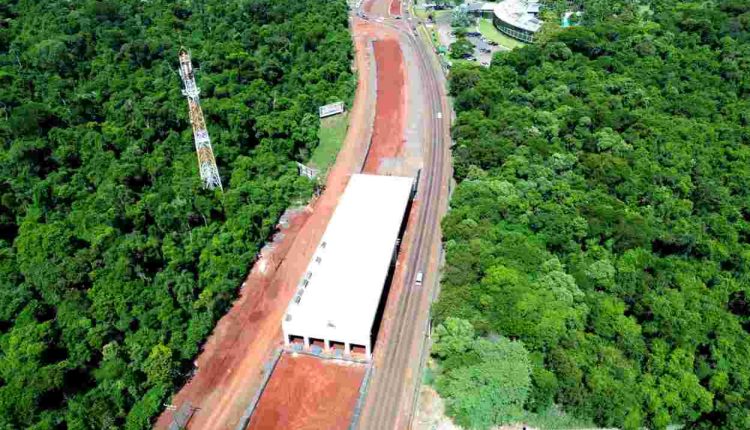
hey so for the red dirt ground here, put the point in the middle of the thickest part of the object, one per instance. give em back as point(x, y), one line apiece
point(308, 393)
point(395, 7)
point(388, 131)
point(229, 368)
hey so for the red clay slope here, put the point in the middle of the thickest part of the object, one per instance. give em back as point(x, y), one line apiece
point(395, 7)
point(308, 393)
point(388, 130)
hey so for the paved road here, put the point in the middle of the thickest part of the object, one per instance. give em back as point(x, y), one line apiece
point(390, 399)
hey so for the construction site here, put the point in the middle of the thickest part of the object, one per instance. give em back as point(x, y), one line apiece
point(337, 300)
point(330, 327)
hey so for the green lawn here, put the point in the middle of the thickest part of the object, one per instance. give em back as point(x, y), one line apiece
point(436, 14)
point(489, 31)
point(420, 13)
point(331, 135)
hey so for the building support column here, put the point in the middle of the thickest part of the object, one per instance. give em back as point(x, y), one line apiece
point(306, 341)
point(326, 346)
point(347, 348)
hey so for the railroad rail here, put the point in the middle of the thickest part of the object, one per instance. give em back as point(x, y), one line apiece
point(386, 397)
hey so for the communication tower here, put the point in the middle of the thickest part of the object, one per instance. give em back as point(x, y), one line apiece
point(206, 161)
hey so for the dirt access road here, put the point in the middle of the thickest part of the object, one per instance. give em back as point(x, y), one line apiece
point(396, 148)
point(400, 351)
point(229, 368)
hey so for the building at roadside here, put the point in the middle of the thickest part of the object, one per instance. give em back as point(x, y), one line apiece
point(518, 19)
point(338, 298)
point(482, 10)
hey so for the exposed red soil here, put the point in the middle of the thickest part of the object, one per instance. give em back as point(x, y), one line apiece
point(231, 340)
point(388, 130)
point(395, 7)
point(367, 6)
point(308, 393)
point(230, 367)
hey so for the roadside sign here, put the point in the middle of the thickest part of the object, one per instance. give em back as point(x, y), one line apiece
point(331, 109)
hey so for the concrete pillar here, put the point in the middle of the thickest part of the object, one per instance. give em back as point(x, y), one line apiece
point(306, 341)
point(347, 348)
point(326, 345)
point(286, 340)
point(367, 351)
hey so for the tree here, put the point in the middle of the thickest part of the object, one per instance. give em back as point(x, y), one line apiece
point(600, 217)
point(494, 388)
point(460, 18)
point(461, 48)
point(114, 263)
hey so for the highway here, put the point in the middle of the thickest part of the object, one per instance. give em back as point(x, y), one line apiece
point(390, 399)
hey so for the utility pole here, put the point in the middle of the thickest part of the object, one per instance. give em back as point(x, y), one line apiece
point(206, 161)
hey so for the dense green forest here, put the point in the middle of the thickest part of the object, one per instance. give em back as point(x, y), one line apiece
point(602, 222)
point(114, 262)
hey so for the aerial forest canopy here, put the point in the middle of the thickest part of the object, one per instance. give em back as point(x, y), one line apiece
point(114, 262)
point(602, 221)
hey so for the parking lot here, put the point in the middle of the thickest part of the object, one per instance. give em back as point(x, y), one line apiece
point(483, 48)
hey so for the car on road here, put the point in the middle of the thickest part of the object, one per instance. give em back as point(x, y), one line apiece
point(418, 278)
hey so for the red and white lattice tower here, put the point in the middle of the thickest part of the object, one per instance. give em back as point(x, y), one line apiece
point(206, 160)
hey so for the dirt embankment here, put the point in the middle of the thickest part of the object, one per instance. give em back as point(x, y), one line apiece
point(388, 131)
point(308, 393)
point(395, 8)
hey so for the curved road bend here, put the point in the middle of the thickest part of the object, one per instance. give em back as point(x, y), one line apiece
point(391, 394)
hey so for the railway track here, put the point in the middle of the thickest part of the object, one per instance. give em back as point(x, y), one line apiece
point(386, 397)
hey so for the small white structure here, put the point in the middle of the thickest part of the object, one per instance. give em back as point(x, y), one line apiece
point(331, 109)
point(338, 297)
point(309, 172)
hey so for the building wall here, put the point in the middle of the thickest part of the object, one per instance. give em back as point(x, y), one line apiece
point(512, 31)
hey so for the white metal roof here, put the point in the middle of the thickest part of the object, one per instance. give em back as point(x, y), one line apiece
point(520, 14)
point(345, 278)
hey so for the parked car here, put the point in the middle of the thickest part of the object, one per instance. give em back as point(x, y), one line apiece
point(418, 279)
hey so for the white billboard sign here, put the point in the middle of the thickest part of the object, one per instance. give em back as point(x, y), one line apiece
point(331, 109)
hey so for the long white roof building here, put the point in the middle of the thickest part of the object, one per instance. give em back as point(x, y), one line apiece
point(338, 297)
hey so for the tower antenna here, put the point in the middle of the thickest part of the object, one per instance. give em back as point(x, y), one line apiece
point(206, 161)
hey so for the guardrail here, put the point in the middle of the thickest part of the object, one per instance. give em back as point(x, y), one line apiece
point(362, 395)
